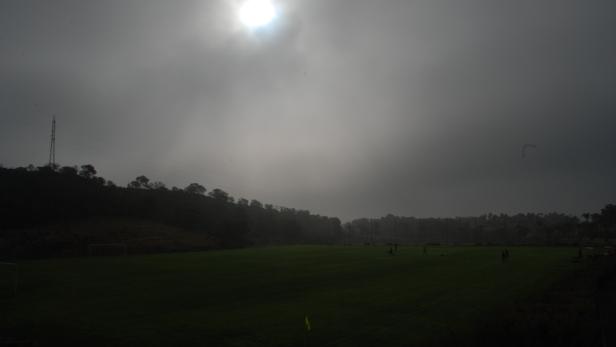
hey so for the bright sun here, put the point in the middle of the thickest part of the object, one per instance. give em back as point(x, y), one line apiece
point(257, 13)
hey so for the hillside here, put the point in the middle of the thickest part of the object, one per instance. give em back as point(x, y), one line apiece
point(53, 212)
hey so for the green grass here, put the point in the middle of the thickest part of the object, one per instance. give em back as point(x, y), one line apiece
point(353, 296)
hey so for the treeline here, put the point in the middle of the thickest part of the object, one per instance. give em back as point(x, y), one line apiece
point(34, 197)
point(42, 209)
point(530, 228)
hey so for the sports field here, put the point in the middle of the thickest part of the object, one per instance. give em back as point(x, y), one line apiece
point(351, 295)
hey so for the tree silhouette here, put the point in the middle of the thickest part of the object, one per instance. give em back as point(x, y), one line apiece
point(141, 182)
point(220, 195)
point(69, 170)
point(195, 188)
point(158, 186)
point(242, 202)
point(586, 217)
point(87, 171)
point(607, 221)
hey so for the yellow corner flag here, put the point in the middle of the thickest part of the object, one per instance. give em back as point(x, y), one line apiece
point(307, 321)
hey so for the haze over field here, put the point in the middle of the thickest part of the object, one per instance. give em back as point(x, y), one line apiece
point(347, 108)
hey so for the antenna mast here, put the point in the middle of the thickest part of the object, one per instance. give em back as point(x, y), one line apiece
point(52, 144)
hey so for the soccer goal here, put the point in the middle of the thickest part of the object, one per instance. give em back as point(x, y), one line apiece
point(9, 279)
point(107, 249)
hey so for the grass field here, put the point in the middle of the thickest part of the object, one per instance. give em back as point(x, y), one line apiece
point(353, 296)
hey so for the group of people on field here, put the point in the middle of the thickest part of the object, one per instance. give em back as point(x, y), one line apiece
point(393, 248)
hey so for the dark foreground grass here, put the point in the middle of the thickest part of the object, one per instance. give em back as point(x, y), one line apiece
point(353, 296)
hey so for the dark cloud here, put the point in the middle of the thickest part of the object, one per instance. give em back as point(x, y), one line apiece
point(349, 108)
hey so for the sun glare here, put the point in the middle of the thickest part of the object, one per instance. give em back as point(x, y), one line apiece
point(257, 13)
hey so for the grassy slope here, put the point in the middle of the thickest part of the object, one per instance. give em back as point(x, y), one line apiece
point(72, 238)
point(354, 296)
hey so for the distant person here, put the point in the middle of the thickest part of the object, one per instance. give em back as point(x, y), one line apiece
point(425, 249)
point(391, 251)
point(503, 256)
point(580, 255)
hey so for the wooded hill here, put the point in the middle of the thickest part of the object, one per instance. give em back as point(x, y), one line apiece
point(52, 211)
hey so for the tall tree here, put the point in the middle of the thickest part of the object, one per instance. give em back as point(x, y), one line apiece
point(195, 188)
point(87, 171)
point(141, 182)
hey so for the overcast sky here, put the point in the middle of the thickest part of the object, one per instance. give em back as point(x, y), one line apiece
point(347, 108)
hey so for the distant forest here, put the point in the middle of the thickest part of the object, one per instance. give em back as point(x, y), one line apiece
point(63, 211)
point(519, 229)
